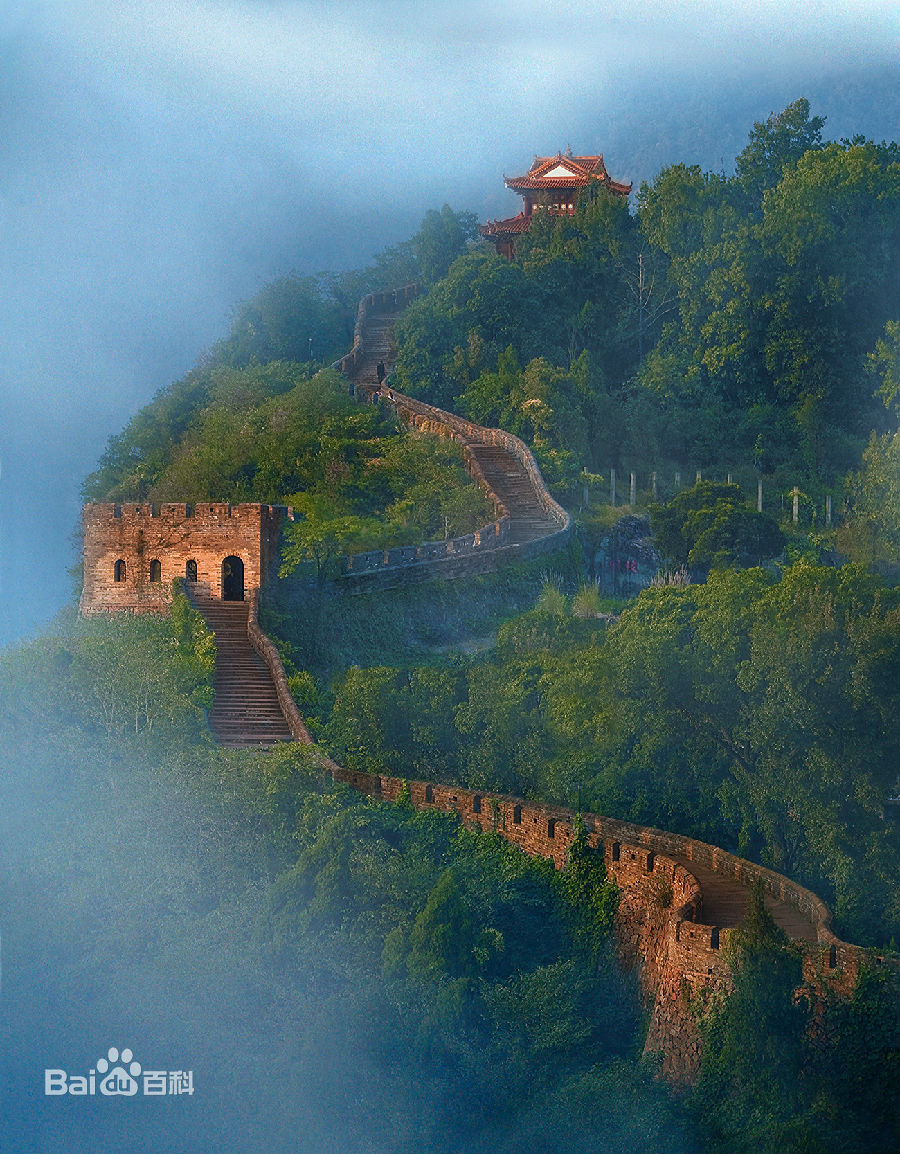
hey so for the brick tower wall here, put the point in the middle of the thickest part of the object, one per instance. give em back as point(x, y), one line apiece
point(173, 535)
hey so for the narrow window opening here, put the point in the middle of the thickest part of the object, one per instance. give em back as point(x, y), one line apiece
point(551, 827)
point(190, 571)
point(832, 957)
point(119, 571)
point(517, 815)
point(155, 571)
point(615, 851)
point(429, 793)
point(476, 804)
point(651, 858)
point(714, 938)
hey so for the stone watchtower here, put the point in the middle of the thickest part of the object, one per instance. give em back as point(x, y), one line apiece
point(132, 553)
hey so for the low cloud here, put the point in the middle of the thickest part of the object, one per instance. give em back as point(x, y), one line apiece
point(162, 160)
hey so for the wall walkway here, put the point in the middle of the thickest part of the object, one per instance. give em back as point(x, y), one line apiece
point(680, 898)
point(527, 520)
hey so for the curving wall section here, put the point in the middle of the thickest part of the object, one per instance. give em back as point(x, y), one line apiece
point(669, 924)
point(677, 904)
point(392, 300)
point(660, 926)
point(491, 543)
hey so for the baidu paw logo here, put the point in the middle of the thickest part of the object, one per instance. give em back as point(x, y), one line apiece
point(119, 1080)
point(117, 1075)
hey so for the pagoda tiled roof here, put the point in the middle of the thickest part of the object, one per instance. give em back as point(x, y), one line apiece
point(513, 226)
point(584, 169)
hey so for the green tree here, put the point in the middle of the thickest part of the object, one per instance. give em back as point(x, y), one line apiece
point(870, 532)
point(855, 1056)
point(751, 1091)
point(884, 365)
point(442, 237)
point(442, 939)
point(829, 236)
point(775, 144)
point(711, 525)
point(324, 533)
point(294, 318)
point(591, 896)
point(820, 729)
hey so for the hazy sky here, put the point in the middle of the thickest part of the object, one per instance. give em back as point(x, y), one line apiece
point(162, 160)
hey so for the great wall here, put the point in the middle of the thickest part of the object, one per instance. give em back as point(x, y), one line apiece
point(680, 898)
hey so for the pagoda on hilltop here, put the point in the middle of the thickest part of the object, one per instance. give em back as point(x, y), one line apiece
point(552, 184)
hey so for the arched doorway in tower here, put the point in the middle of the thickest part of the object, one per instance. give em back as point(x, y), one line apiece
point(232, 579)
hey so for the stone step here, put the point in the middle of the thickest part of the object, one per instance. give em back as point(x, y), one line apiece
point(245, 711)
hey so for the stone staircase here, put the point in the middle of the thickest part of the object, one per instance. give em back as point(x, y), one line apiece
point(503, 472)
point(528, 520)
point(246, 713)
point(245, 710)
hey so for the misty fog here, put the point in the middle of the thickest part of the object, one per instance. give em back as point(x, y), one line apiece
point(161, 162)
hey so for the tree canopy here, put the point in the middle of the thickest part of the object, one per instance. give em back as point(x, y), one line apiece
point(710, 525)
point(729, 322)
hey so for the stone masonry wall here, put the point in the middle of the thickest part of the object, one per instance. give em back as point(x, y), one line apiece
point(658, 927)
point(173, 534)
point(136, 535)
point(679, 960)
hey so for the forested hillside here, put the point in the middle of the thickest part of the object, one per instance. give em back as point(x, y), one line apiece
point(742, 322)
point(754, 713)
point(271, 433)
point(342, 974)
point(375, 979)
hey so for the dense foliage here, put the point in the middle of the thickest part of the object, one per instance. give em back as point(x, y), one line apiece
point(345, 975)
point(756, 713)
point(341, 975)
point(710, 525)
point(729, 323)
point(270, 434)
point(352, 975)
point(795, 1077)
point(291, 329)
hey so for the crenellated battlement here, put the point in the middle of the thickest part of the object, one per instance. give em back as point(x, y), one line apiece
point(133, 552)
point(678, 895)
point(174, 512)
point(671, 924)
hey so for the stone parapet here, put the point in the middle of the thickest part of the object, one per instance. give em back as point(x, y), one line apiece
point(660, 930)
point(265, 647)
